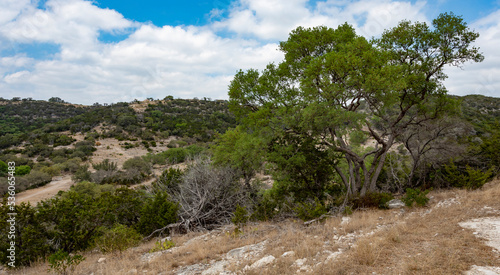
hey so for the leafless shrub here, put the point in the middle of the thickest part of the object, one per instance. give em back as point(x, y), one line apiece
point(208, 195)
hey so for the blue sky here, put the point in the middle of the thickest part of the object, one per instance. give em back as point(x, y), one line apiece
point(110, 50)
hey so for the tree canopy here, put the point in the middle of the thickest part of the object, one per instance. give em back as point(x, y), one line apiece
point(336, 89)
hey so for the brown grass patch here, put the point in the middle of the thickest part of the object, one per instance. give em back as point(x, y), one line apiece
point(416, 241)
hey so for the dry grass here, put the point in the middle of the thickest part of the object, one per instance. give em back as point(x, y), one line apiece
point(417, 241)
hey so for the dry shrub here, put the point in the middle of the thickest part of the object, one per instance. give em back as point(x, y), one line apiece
point(208, 195)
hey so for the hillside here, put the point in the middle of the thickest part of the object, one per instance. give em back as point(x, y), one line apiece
point(457, 232)
point(108, 181)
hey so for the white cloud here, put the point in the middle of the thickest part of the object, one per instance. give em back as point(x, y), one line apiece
point(71, 23)
point(11, 9)
point(274, 19)
point(480, 78)
point(184, 61)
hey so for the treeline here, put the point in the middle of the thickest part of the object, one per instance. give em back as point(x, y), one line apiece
point(19, 116)
point(30, 120)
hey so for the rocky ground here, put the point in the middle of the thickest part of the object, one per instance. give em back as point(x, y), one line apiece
point(458, 233)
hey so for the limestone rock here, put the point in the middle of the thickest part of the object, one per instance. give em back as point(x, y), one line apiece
point(263, 262)
point(101, 260)
point(395, 204)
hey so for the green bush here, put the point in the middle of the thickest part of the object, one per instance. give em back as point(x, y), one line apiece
point(138, 163)
point(469, 179)
point(32, 240)
point(160, 246)
point(61, 261)
point(82, 174)
point(118, 238)
point(105, 165)
point(372, 200)
point(22, 170)
point(417, 196)
point(265, 206)
point(54, 170)
point(157, 213)
point(175, 155)
point(168, 181)
point(310, 210)
point(33, 180)
point(3, 168)
point(240, 216)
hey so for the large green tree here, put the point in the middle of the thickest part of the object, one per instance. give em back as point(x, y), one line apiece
point(334, 85)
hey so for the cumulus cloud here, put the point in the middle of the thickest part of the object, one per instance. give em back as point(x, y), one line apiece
point(183, 61)
point(274, 19)
point(480, 78)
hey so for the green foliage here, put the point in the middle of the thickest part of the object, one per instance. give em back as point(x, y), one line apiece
point(34, 179)
point(30, 235)
point(3, 168)
point(470, 178)
point(310, 209)
point(82, 174)
point(61, 261)
point(371, 200)
point(22, 170)
point(240, 150)
point(161, 246)
point(105, 165)
point(174, 155)
point(74, 218)
point(29, 115)
point(117, 238)
point(264, 206)
point(302, 169)
point(168, 181)
point(417, 196)
point(240, 216)
point(138, 163)
point(156, 213)
point(335, 88)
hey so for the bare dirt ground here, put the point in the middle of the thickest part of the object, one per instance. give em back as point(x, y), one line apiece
point(109, 148)
point(34, 196)
point(112, 149)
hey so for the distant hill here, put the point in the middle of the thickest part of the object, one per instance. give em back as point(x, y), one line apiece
point(482, 111)
point(28, 120)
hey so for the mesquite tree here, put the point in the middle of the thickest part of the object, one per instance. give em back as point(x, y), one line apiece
point(334, 84)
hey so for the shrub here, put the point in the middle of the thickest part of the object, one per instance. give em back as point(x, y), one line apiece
point(61, 261)
point(3, 168)
point(118, 238)
point(157, 213)
point(469, 179)
point(160, 246)
point(168, 181)
point(310, 210)
point(32, 242)
point(82, 174)
point(102, 176)
point(22, 170)
point(105, 165)
point(264, 207)
point(138, 163)
point(72, 165)
point(415, 196)
point(34, 179)
point(175, 155)
point(208, 195)
point(54, 170)
point(240, 216)
point(372, 200)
